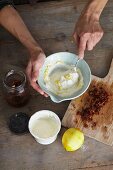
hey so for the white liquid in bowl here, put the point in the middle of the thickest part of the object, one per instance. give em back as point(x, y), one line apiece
point(45, 127)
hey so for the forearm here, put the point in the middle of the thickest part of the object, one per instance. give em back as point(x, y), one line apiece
point(95, 8)
point(10, 19)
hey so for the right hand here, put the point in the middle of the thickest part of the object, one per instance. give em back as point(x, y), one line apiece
point(88, 33)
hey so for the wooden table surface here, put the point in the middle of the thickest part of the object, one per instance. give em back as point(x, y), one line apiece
point(52, 24)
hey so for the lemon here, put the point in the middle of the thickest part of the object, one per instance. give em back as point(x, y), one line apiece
point(72, 139)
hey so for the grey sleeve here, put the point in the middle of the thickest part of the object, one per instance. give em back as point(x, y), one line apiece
point(4, 3)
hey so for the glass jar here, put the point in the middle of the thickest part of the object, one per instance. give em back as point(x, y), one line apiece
point(16, 88)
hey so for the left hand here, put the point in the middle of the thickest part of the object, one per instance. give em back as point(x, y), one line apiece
point(35, 63)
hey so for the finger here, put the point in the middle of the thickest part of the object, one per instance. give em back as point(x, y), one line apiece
point(46, 95)
point(35, 71)
point(82, 47)
point(37, 88)
point(35, 75)
point(97, 37)
point(29, 70)
point(77, 39)
point(34, 84)
point(93, 40)
point(90, 43)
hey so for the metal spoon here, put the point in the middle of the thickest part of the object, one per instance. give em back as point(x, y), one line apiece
point(75, 66)
point(77, 62)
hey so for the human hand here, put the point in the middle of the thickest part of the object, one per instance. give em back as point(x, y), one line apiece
point(35, 63)
point(88, 33)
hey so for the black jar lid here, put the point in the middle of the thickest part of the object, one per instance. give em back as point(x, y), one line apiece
point(18, 123)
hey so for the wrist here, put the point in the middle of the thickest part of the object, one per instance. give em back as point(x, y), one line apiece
point(94, 9)
point(33, 46)
point(35, 51)
point(91, 17)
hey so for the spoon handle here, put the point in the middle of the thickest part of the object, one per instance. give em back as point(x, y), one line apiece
point(77, 61)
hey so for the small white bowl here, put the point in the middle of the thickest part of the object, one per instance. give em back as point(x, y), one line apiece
point(44, 114)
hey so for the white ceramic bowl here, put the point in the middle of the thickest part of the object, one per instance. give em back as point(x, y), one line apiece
point(33, 121)
point(69, 59)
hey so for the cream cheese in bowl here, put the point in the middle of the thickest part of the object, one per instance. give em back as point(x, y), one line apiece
point(59, 78)
point(63, 79)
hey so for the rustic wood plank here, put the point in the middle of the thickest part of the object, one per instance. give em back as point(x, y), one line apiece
point(104, 167)
point(22, 152)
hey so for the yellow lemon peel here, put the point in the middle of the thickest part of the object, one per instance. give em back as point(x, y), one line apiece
point(72, 139)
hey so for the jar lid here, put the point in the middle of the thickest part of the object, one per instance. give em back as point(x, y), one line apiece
point(18, 123)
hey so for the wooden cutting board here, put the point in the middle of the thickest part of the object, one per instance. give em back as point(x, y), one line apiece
point(100, 125)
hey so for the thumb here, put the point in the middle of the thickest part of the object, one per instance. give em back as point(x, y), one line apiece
point(76, 38)
point(35, 71)
point(35, 74)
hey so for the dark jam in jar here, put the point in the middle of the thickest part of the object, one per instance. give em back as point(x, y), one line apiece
point(16, 88)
